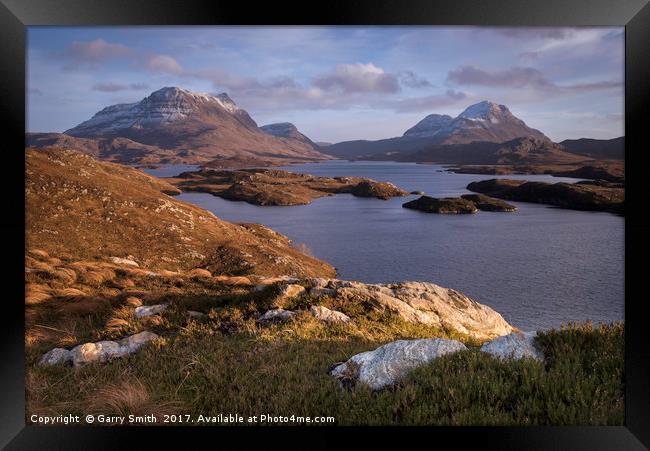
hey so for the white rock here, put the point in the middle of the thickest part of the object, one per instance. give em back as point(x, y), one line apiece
point(101, 351)
point(135, 342)
point(425, 303)
point(277, 315)
point(322, 292)
point(327, 315)
point(56, 356)
point(123, 261)
point(515, 346)
point(389, 363)
point(195, 314)
point(149, 310)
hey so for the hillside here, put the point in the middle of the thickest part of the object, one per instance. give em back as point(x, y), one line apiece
point(85, 208)
point(597, 148)
point(176, 125)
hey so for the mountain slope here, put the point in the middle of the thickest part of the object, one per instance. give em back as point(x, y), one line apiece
point(597, 148)
point(289, 131)
point(191, 127)
point(82, 207)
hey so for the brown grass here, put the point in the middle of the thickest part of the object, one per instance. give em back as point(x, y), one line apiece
point(65, 275)
point(234, 280)
point(129, 397)
point(98, 276)
point(35, 293)
point(133, 301)
point(199, 273)
point(38, 253)
point(84, 306)
point(68, 293)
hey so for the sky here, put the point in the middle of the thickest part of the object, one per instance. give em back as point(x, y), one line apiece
point(337, 83)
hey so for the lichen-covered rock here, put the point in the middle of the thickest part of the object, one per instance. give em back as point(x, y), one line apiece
point(389, 363)
point(101, 351)
point(56, 356)
point(329, 316)
point(420, 302)
point(149, 310)
point(124, 261)
point(515, 346)
point(278, 315)
point(288, 292)
point(195, 314)
point(137, 341)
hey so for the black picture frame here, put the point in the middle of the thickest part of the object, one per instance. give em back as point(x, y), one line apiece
point(634, 15)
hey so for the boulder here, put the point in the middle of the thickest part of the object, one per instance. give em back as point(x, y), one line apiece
point(195, 314)
point(149, 310)
point(389, 363)
point(330, 316)
point(515, 346)
point(124, 261)
point(424, 303)
point(56, 356)
point(288, 292)
point(277, 315)
point(101, 351)
point(135, 342)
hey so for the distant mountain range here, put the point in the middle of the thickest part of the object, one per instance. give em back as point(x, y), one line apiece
point(174, 125)
point(484, 133)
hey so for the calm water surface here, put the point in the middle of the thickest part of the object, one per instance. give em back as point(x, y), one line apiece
point(539, 267)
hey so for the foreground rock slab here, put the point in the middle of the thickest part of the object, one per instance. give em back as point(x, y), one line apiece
point(389, 363)
point(276, 315)
point(101, 351)
point(514, 346)
point(419, 302)
point(329, 316)
point(149, 310)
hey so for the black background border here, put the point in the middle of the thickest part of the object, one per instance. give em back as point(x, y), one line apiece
point(15, 15)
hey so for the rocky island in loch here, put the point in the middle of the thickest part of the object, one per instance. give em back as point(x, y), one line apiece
point(277, 187)
point(467, 203)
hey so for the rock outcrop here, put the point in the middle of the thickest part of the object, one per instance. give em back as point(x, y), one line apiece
point(389, 363)
point(380, 190)
point(515, 346)
point(447, 205)
point(276, 315)
point(486, 203)
point(329, 316)
point(590, 196)
point(419, 302)
point(149, 310)
point(101, 351)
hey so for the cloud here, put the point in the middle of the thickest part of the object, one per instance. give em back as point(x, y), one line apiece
point(521, 77)
point(358, 78)
point(428, 103)
point(164, 64)
point(114, 87)
point(97, 50)
point(410, 79)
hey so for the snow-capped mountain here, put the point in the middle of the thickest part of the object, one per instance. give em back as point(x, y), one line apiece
point(286, 130)
point(483, 122)
point(160, 108)
point(429, 126)
point(182, 125)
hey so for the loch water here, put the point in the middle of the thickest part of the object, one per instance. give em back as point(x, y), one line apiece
point(540, 267)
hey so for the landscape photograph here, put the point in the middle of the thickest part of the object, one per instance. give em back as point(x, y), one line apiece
point(324, 225)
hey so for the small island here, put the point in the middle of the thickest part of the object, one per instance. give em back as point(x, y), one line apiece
point(466, 204)
point(585, 195)
point(271, 187)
